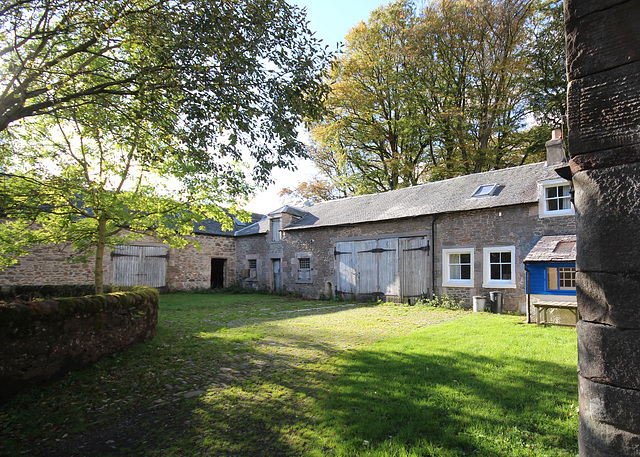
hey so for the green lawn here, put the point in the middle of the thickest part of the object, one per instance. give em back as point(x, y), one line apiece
point(277, 376)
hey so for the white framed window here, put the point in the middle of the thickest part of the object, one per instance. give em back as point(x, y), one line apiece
point(555, 198)
point(499, 267)
point(275, 229)
point(304, 269)
point(561, 278)
point(457, 270)
point(486, 190)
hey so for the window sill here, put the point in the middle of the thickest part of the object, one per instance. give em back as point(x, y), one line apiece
point(466, 285)
point(494, 285)
point(558, 214)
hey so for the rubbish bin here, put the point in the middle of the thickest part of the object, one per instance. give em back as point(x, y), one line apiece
point(479, 303)
point(496, 302)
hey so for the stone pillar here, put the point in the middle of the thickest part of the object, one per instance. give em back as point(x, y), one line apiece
point(603, 65)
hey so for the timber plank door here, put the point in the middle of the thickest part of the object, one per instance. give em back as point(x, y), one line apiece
point(139, 266)
point(414, 268)
point(345, 270)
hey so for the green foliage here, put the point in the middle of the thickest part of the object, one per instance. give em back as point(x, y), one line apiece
point(441, 301)
point(130, 119)
point(452, 89)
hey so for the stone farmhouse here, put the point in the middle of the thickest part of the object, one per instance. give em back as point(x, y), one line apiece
point(463, 237)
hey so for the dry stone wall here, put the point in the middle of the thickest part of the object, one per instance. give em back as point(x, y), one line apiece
point(44, 339)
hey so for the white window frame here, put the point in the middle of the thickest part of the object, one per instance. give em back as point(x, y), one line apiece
point(446, 271)
point(486, 264)
point(542, 199)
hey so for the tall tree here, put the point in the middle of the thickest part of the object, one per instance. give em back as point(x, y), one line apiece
point(241, 75)
point(100, 101)
point(432, 94)
point(374, 123)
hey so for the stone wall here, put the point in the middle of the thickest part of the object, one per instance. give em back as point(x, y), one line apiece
point(519, 225)
point(603, 64)
point(187, 268)
point(47, 265)
point(44, 339)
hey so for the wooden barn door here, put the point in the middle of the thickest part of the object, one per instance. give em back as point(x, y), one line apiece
point(414, 268)
point(345, 270)
point(388, 269)
point(139, 266)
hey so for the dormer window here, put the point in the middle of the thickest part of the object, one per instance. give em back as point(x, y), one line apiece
point(486, 190)
point(555, 198)
point(275, 229)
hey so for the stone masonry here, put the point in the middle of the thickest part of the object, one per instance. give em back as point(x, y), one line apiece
point(516, 225)
point(603, 63)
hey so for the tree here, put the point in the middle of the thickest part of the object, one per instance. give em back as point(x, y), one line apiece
point(314, 191)
point(218, 77)
point(374, 125)
point(102, 102)
point(425, 95)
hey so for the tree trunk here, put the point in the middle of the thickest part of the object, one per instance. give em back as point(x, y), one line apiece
point(98, 276)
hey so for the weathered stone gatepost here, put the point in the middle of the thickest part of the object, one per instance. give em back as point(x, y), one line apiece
point(603, 63)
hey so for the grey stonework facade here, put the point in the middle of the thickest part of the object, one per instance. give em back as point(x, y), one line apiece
point(518, 226)
point(186, 268)
point(446, 222)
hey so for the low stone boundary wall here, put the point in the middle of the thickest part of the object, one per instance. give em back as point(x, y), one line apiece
point(43, 339)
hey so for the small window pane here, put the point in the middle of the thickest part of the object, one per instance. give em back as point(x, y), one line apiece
point(305, 263)
point(454, 258)
point(253, 264)
point(494, 257)
point(465, 258)
point(552, 192)
point(456, 272)
point(552, 278)
point(495, 271)
point(505, 257)
point(506, 272)
point(465, 272)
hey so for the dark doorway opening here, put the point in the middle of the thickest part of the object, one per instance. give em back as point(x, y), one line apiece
point(217, 273)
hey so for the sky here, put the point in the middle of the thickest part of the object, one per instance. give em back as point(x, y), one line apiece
point(330, 20)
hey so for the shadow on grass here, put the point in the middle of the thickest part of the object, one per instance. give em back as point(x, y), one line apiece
point(451, 404)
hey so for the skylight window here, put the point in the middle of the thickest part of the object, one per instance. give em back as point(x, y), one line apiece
point(565, 246)
point(486, 190)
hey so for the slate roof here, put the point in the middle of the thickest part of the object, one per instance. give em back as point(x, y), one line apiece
point(549, 249)
point(213, 227)
point(262, 225)
point(516, 186)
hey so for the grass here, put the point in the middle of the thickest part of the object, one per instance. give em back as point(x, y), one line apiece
point(277, 376)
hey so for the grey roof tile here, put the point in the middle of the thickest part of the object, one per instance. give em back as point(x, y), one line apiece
point(516, 185)
point(545, 249)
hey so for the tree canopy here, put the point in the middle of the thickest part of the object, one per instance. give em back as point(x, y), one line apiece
point(120, 119)
point(454, 88)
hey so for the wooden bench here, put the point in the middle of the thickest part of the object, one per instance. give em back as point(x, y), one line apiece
point(542, 307)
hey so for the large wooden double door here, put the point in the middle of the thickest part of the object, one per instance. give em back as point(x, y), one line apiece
point(393, 269)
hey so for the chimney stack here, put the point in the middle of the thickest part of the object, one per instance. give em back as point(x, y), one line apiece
point(555, 149)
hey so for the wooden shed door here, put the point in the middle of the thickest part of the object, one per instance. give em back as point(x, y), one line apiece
point(345, 269)
point(414, 268)
point(389, 268)
point(139, 266)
